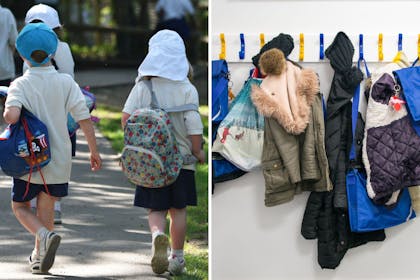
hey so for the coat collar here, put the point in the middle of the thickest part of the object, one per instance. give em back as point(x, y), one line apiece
point(291, 106)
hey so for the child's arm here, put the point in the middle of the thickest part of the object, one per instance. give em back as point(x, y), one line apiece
point(11, 114)
point(124, 119)
point(95, 158)
point(197, 148)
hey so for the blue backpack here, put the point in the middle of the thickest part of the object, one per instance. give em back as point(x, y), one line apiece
point(219, 94)
point(222, 170)
point(24, 146)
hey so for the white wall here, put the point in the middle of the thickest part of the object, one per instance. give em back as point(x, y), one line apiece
point(251, 241)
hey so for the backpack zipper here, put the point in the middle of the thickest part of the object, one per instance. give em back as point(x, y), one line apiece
point(144, 151)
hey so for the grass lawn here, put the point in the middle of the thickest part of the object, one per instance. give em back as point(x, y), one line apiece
point(196, 248)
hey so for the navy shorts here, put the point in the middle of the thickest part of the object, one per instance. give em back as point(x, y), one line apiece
point(19, 188)
point(180, 194)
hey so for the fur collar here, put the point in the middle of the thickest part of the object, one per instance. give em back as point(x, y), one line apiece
point(292, 106)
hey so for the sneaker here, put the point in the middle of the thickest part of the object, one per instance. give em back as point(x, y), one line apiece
point(160, 254)
point(176, 265)
point(57, 217)
point(35, 264)
point(47, 248)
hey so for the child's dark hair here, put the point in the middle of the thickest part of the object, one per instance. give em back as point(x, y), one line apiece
point(39, 56)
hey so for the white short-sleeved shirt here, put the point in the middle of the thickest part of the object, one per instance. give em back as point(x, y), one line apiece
point(175, 9)
point(63, 59)
point(8, 34)
point(50, 96)
point(170, 94)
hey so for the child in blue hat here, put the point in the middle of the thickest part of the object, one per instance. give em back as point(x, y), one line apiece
point(50, 96)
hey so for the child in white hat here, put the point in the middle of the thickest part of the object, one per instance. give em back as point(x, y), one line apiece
point(167, 67)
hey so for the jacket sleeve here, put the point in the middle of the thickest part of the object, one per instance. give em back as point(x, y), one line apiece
point(309, 229)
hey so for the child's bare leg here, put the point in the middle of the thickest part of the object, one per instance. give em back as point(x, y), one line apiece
point(45, 212)
point(157, 221)
point(178, 227)
point(23, 213)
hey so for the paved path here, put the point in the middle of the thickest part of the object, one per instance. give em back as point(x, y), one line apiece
point(104, 236)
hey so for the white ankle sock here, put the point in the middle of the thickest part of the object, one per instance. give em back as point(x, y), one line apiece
point(42, 233)
point(57, 206)
point(178, 253)
point(156, 233)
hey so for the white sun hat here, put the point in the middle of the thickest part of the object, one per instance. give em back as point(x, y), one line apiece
point(44, 13)
point(166, 57)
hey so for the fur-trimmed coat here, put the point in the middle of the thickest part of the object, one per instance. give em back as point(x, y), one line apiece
point(294, 157)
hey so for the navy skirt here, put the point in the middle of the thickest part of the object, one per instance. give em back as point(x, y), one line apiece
point(180, 194)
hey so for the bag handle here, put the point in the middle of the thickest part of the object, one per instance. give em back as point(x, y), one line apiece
point(155, 104)
point(355, 110)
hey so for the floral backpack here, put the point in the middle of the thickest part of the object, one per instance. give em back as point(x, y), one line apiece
point(151, 156)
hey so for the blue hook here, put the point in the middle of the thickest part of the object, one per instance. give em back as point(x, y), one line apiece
point(321, 46)
point(242, 51)
point(361, 47)
point(400, 37)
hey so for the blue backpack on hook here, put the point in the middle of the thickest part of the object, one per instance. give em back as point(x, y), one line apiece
point(222, 169)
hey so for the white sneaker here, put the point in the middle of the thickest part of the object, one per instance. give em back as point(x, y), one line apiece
point(34, 264)
point(160, 253)
point(47, 248)
point(176, 265)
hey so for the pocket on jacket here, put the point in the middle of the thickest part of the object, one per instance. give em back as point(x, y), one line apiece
point(276, 176)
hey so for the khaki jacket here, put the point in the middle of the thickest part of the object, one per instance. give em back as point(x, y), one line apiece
point(295, 163)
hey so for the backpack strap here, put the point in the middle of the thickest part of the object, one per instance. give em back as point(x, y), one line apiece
point(155, 104)
point(222, 83)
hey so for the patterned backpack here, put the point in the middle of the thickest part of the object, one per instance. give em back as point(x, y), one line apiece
point(151, 156)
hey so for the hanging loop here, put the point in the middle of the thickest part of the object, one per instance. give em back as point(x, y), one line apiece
point(361, 47)
point(242, 51)
point(222, 54)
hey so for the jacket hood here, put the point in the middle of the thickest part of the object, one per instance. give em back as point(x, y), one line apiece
point(340, 52)
point(283, 42)
point(292, 106)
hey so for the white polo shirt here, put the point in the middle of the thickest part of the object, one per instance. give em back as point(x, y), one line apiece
point(170, 94)
point(8, 34)
point(50, 96)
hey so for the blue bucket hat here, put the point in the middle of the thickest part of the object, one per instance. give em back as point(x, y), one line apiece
point(36, 37)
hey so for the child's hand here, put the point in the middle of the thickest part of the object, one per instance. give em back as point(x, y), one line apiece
point(95, 161)
point(201, 157)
